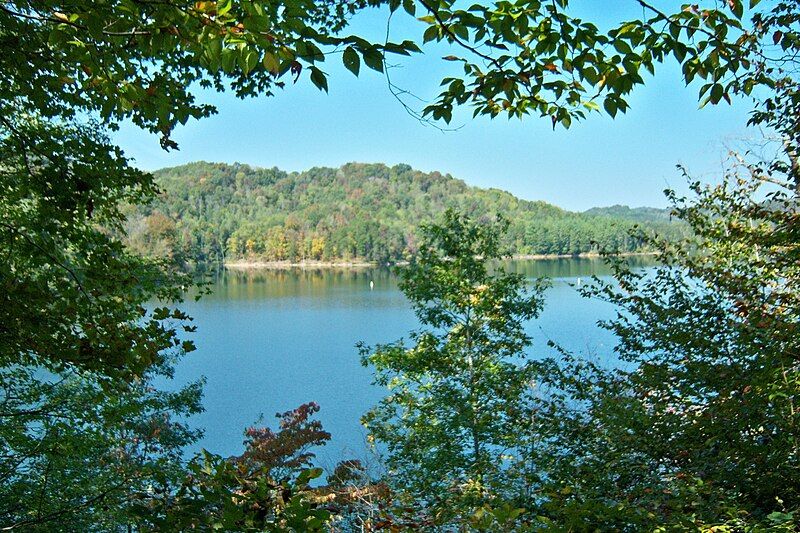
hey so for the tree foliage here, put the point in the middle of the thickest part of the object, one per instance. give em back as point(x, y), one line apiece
point(82, 430)
point(214, 212)
point(698, 428)
point(542, 58)
point(702, 430)
point(694, 427)
point(140, 60)
point(73, 295)
point(265, 489)
point(79, 456)
point(457, 420)
point(81, 339)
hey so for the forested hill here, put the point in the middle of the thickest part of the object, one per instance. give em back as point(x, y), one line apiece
point(639, 214)
point(211, 212)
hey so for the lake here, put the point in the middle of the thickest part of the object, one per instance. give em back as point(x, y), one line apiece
point(270, 340)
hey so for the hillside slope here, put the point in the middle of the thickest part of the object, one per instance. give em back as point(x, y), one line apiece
point(638, 214)
point(213, 211)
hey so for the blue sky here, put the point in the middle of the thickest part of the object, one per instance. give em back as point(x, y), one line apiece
point(602, 161)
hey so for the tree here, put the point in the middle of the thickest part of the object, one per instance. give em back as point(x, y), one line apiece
point(80, 342)
point(138, 60)
point(531, 57)
point(78, 457)
point(74, 298)
point(264, 489)
point(459, 406)
point(699, 427)
point(539, 58)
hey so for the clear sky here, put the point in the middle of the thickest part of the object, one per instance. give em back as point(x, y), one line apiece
point(602, 161)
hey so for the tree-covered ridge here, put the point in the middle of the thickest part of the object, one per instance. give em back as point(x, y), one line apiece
point(641, 214)
point(215, 212)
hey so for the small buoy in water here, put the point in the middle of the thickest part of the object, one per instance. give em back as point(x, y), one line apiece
point(371, 284)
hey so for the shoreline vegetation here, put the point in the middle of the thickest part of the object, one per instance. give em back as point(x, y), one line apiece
point(356, 215)
point(358, 263)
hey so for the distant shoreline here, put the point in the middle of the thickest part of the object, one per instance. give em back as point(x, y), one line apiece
point(283, 265)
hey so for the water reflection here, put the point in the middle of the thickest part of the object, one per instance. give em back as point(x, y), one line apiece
point(291, 282)
point(269, 340)
point(583, 267)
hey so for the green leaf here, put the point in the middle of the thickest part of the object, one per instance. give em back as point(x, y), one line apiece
point(311, 52)
point(271, 63)
point(351, 60)
point(622, 47)
point(223, 6)
point(249, 61)
point(716, 93)
point(610, 105)
point(319, 79)
point(737, 7)
point(307, 475)
point(301, 50)
point(374, 59)
point(461, 31)
point(432, 33)
point(57, 37)
point(228, 59)
point(591, 105)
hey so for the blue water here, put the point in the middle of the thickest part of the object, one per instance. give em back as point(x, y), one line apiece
point(271, 340)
